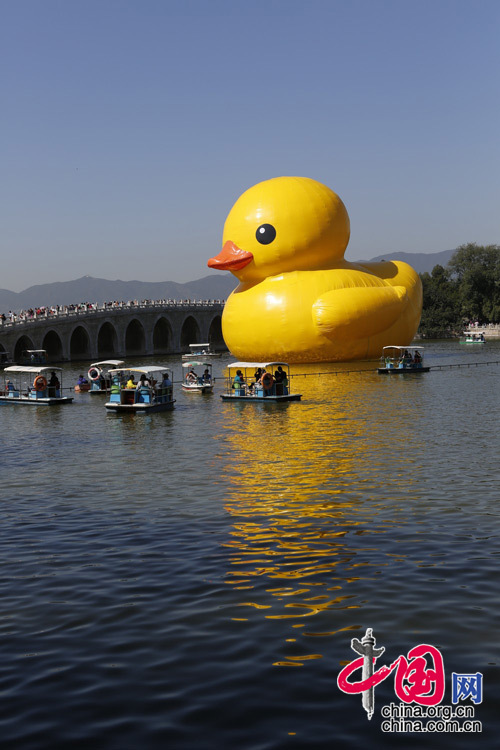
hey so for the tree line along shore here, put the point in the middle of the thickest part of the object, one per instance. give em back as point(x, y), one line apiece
point(463, 293)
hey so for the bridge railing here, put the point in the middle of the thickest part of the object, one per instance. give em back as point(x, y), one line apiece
point(65, 311)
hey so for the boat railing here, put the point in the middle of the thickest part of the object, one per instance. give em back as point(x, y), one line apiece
point(400, 362)
point(257, 390)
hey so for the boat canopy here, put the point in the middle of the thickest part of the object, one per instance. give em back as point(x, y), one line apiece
point(197, 363)
point(35, 351)
point(111, 362)
point(256, 364)
point(198, 346)
point(32, 368)
point(146, 369)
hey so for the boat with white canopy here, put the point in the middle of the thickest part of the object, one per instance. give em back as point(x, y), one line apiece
point(473, 337)
point(151, 392)
point(34, 357)
point(98, 374)
point(402, 359)
point(199, 380)
point(36, 386)
point(201, 351)
point(255, 381)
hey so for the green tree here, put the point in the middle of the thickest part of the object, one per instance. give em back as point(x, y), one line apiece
point(476, 269)
point(441, 316)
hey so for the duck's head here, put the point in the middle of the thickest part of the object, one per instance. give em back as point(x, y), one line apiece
point(281, 225)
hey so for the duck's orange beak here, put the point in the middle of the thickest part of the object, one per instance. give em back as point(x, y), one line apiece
point(231, 258)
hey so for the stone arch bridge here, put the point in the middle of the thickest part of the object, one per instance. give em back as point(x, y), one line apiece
point(114, 331)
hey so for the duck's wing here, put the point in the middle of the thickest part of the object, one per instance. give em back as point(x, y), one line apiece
point(358, 312)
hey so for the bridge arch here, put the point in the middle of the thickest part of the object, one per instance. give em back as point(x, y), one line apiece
point(190, 332)
point(107, 340)
point(79, 345)
point(23, 342)
point(215, 331)
point(135, 338)
point(53, 346)
point(162, 336)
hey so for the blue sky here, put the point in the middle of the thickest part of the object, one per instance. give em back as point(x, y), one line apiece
point(130, 127)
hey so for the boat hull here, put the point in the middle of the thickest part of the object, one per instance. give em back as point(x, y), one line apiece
point(197, 388)
point(139, 408)
point(50, 401)
point(255, 399)
point(401, 370)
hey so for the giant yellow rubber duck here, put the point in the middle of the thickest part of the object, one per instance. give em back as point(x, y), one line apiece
point(298, 299)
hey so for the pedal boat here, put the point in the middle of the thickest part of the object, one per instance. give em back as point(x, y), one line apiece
point(473, 337)
point(267, 390)
point(98, 374)
point(200, 384)
point(140, 400)
point(394, 360)
point(29, 385)
point(201, 351)
point(34, 357)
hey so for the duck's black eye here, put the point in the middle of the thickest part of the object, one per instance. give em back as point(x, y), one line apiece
point(265, 234)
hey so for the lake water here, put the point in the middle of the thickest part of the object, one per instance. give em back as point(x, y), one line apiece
point(193, 579)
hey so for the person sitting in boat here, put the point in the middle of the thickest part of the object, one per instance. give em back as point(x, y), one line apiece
point(192, 377)
point(82, 381)
point(239, 382)
point(9, 386)
point(54, 384)
point(206, 376)
point(131, 382)
point(166, 382)
point(417, 358)
point(407, 359)
point(143, 382)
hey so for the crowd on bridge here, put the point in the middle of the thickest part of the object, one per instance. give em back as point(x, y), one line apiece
point(34, 313)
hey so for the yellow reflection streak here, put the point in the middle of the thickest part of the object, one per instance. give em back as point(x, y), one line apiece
point(307, 488)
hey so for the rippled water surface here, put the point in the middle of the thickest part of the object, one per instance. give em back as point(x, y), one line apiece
point(193, 579)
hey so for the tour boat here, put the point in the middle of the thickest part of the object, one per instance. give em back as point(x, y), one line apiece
point(402, 359)
point(244, 383)
point(98, 374)
point(32, 385)
point(473, 337)
point(201, 351)
point(197, 382)
point(34, 357)
point(141, 399)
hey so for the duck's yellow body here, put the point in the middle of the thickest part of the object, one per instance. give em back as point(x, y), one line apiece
point(298, 299)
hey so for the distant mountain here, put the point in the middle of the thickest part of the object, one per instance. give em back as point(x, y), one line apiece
point(88, 289)
point(216, 286)
point(421, 262)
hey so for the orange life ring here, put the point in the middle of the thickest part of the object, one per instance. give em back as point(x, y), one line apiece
point(267, 381)
point(39, 383)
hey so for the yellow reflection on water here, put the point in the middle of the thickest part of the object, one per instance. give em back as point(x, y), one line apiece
point(309, 485)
